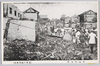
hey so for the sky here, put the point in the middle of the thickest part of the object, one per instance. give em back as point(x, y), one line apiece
point(56, 9)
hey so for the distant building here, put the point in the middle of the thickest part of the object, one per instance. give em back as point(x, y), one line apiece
point(88, 19)
point(31, 14)
point(11, 11)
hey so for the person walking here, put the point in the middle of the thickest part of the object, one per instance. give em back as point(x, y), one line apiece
point(92, 41)
point(82, 39)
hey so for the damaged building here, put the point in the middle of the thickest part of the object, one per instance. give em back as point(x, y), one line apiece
point(14, 27)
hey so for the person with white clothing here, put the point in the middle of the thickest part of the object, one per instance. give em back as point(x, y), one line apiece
point(77, 36)
point(92, 40)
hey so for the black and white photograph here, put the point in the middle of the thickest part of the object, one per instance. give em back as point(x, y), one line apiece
point(50, 31)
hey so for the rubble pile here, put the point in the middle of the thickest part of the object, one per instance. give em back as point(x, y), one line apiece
point(52, 48)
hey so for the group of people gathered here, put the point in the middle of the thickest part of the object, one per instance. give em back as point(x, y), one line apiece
point(86, 37)
point(83, 36)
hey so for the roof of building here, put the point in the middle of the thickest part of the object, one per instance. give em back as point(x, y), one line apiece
point(30, 10)
point(87, 12)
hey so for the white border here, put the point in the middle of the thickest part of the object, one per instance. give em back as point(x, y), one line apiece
point(48, 61)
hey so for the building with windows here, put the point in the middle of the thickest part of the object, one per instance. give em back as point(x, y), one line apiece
point(11, 11)
point(31, 14)
point(88, 19)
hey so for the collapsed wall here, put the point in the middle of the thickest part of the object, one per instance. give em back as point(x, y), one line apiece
point(21, 29)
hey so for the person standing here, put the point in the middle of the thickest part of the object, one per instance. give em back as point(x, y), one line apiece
point(82, 38)
point(77, 36)
point(92, 41)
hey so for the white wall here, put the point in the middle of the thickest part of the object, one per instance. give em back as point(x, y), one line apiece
point(21, 30)
point(30, 16)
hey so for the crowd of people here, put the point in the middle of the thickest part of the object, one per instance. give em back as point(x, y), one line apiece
point(86, 37)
